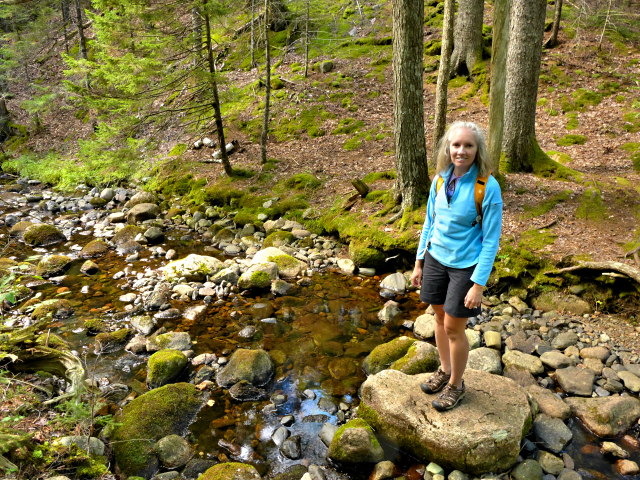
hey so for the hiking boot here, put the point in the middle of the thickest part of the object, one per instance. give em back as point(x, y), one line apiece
point(436, 381)
point(449, 397)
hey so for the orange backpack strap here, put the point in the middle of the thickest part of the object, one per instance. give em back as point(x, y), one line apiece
point(439, 183)
point(478, 195)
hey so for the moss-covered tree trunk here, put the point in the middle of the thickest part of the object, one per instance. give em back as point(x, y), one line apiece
point(553, 39)
point(412, 182)
point(440, 121)
point(501, 13)
point(523, 70)
point(467, 37)
point(83, 42)
point(267, 87)
point(216, 99)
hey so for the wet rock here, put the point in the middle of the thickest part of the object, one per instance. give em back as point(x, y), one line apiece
point(346, 265)
point(576, 381)
point(395, 406)
point(280, 435)
point(196, 467)
point(550, 301)
point(355, 442)
point(173, 451)
point(144, 324)
point(291, 448)
point(396, 282)
point(95, 326)
point(89, 267)
point(556, 360)
point(17, 231)
point(152, 416)
point(486, 360)
point(384, 355)
point(229, 275)
point(254, 366)
point(167, 314)
point(193, 268)
point(205, 374)
point(610, 448)
point(326, 405)
point(422, 357)
point(170, 340)
point(231, 471)
point(52, 308)
point(128, 248)
point(384, 470)
point(52, 265)
point(141, 197)
point(244, 391)
point(606, 416)
point(425, 326)
point(389, 312)
point(280, 287)
point(627, 467)
point(258, 276)
point(249, 333)
point(549, 403)
point(111, 341)
point(137, 345)
point(154, 235)
point(288, 266)
point(524, 361)
point(160, 296)
point(127, 234)
point(296, 472)
point(327, 433)
point(527, 470)
point(551, 433)
point(41, 234)
point(550, 463)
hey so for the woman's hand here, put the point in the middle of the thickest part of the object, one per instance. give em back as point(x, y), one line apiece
point(474, 296)
point(416, 276)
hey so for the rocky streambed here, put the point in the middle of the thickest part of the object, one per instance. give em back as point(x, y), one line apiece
point(262, 351)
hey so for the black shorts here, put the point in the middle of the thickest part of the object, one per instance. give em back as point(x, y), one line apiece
point(447, 286)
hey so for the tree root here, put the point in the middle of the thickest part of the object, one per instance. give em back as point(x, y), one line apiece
point(396, 217)
point(619, 267)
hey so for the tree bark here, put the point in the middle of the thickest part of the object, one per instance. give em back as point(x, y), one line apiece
point(267, 87)
point(216, 100)
point(500, 44)
point(196, 26)
point(412, 183)
point(83, 42)
point(65, 22)
point(467, 37)
point(442, 88)
point(523, 70)
point(553, 39)
point(253, 38)
point(306, 42)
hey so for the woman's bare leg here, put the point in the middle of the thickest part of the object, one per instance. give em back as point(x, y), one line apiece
point(458, 347)
point(442, 340)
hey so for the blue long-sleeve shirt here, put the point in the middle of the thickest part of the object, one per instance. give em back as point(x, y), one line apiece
point(450, 237)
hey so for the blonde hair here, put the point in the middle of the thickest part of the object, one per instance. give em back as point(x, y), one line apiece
point(482, 156)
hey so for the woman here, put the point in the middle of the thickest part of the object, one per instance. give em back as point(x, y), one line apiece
point(456, 253)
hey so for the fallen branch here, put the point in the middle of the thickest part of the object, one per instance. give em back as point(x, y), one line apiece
point(623, 268)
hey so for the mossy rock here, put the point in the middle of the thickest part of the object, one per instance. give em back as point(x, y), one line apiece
point(364, 255)
point(94, 249)
point(52, 308)
point(225, 235)
point(278, 239)
point(231, 471)
point(254, 366)
point(111, 341)
point(95, 326)
point(554, 300)
point(127, 234)
point(174, 212)
point(52, 341)
point(42, 234)
point(302, 181)
point(52, 265)
point(18, 229)
point(243, 218)
point(422, 357)
point(352, 447)
point(386, 354)
point(98, 202)
point(165, 367)
point(163, 411)
point(141, 197)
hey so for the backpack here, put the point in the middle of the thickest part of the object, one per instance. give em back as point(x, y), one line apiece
point(478, 196)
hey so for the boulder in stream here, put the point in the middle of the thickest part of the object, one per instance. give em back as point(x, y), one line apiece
point(193, 268)
point(141, 197)
point(254, 366)
point(18, 229)
point(93, 249)
point(483, 433)
point(606, 416)
point(288, 266)
point(165, 367)
point(355, 442)
point(41, 234)
point(52, 265)
point(169, 340)
point(112, 341)
point(127, 234)
point(258, 276)
point(231, 471)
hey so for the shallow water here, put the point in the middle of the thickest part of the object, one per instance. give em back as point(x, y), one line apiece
point(319, 339)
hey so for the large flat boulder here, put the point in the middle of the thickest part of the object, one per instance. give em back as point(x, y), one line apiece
point(606, 416)
point(194, 268)
point(482, 434)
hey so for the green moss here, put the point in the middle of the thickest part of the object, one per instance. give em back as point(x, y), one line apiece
point(302, 181)
point(178, 150)
point(51, 308)
point(572, 122)
point(163, 411)
point(294, 123)
point(559, 157)
point(375, 176)
point(571, 139)
point(630, 147)
point(457, 82)
point(42, 234)
point(279, 238)
point(284, 262)
point(95, 326)
point(432, 48)
point(118, 337)
point(609, 88)
point(535, 239)
point(352, 144)
point(384, 355)
point(229, 471)
point(542, 102)
point(591, 206)
point(260, 279)
point(546, 205)
point(365, 255)
point(52, 265)
point(514, 263)
point(243, 218)
point(127, 234)
point(581, 99)
point(544, 166)
point(348, 126)
point(620, 98)
point(165, 367)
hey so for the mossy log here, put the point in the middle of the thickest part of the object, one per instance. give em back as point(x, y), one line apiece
point(623, 268)
point(361, 187)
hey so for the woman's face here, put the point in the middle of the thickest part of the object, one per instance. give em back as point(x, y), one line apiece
point(462, 149)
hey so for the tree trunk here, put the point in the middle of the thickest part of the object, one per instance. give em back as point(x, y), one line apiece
point(83, 42)
point(267, 87)
point(216, 100)
point(306, 42)
point(412, 183)
point(553, 39)
point(523, 70)
point(196, 25)
point(66, 18)
point(253, 38)
point(501, 12)
point(467, 37)
point(440, 121)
